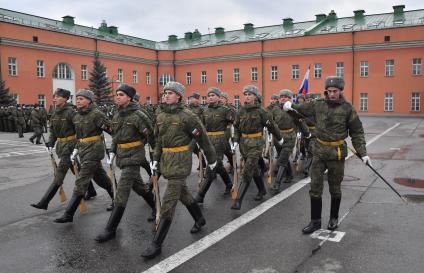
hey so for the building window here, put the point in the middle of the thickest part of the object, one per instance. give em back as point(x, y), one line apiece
point(274, 73)
point(236, 75)
point(364, 68)
point(135, 77)
point(416, 66)
point(390, 68)
point(203, 100)
point(388, 102)
point(13, 66)
point(188, 78)
point(164, 79)
point(42, 100)
point(363, 102)
point(317, 71)
point(237, 101)
point(120, 75)
point(84, 72)
point(295, 71)
point(254, 73)
point(62, 71)
point(105, 72)
point(415, 102)
point(16, 98)
point(40, 69)
point(340, 69)
point(203, 77)
point(148, 78)
point(219, 76)
point(148, 100)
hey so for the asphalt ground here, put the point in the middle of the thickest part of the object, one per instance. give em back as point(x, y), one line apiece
point(378, 231)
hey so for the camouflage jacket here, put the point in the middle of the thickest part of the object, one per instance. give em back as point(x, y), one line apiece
point(130, 125)
point(61, 126)
point(197, 110)
point(19, 117)
point(90, 122)
point(176, 126)
point(217, 117)
point(335, 120)
point(36, 118)
point(286, 121)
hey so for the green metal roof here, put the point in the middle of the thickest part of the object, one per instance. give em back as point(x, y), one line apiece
point(328, 24)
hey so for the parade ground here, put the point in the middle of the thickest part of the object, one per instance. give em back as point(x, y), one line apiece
point(378, 231)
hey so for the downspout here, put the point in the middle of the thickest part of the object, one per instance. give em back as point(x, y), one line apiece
point(262, 72)
point(174, 66)
point(157, 77)
point(1, 71)
point(353, 68)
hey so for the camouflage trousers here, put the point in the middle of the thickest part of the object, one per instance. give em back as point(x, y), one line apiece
point(91, 170)
point(38, 131)
point(176, 190)
point(250, 156)
point(62, 169)
point(21, 129)
point(335, 177)
point(130, 179)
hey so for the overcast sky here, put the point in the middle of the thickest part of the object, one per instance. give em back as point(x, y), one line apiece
point(156, 19)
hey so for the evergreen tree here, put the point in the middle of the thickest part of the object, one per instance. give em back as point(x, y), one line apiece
point(5, 97)
point(99, 83)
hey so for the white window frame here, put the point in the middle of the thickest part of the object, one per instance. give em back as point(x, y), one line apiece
point(13, 66)
point(164, 79)
point(389, 68)
point(415, 102)
point(340, 69)
point(148, 78)
point(388, 102)
point(148, 100)
point(62, 71)
point(203, 77)
point(274, 73)
point(135, 76)
point(236, 75)
point(219, 76)
point(364, 69)
point(41, 70)
point(416, 66)
point(254, 73)
point(204, 100)
point(317, 71)
point(120, 75)
point(42, 100)
point(295, 71)
point(84, 72)
point(363, 102)
point(237, 101)
point(188, 78)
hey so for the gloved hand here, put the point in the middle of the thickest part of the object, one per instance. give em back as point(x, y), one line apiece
point(299, 135)
point(234, 147)
point(366, 159)
point(154, 166)
point(74, 155)
point(308, 136)
point(281, 141)
point(111, 158)
point(212, 166)
point(287, 106)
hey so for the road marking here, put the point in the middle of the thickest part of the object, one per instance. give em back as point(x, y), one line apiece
point(199, 246)
point(328, 235)
point(20, 153)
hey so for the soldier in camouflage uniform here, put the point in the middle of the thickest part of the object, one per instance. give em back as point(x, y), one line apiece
point(273, 102)
point(335, 120)
point(175, 128)
point(36, 124)
point(248, 127)
point(19, 120)
point(89, 123)
point(216, 118)
point(44, 117)
point(131, 129)
point(197, 109)
point(227, 151)
point(11, 119)
point(2, 114)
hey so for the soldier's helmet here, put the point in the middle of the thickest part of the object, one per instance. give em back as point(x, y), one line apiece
point(175, 87)
point(286, 93)
point(214, 90)
point(88, 94)
point(333, 81)
point(251, 89)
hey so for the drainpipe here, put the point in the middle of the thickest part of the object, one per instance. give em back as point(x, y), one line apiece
point(157, 76)
point(353, 68)
point(1, 71)
point(174, 66)
point(262, 72)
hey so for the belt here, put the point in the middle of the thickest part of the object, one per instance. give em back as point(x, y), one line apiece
point(311, 127)
point(287, 130)
point(130, 144)
point(90, 139)
point(66, 139)
point(331, 143)
point(216, 133)
point(254, 135)
point(176, 149)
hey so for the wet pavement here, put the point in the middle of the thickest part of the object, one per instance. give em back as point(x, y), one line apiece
point(378, 231)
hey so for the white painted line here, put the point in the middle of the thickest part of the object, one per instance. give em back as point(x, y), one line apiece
point(328, 235)
point(197, 247)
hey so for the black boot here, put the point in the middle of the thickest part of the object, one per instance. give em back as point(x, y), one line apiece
point(150, 200)
point(262, 166)
point(31, 139)
point(50, 193)
point(70, 210)
point(315, 224)
point(204, 187)
point(196, 213)
point(112, 204)
point(110, 230)
point(240, 194)
point(275, 189)
point(91, 191)
point(155, 246)
point(227, 180)
point(261, 187)
point(334, 213)
point(289, 173)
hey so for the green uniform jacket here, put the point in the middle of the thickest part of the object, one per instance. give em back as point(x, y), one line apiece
point(36, 118)
point(19, 117)
point(90, 122)
point(197, 110)
point(129, 125)
point(335, 120)
point(175, 127)
point(217, 117)
point(61, 125)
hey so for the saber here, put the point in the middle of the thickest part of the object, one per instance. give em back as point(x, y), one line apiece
point(82, 205)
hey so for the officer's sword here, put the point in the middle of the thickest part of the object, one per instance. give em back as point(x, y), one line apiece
point(82, 205)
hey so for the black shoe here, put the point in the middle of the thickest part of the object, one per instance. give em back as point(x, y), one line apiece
point(66, 218)
point(50, 193)
point(236, 205)
point(155, 247)
point(21, 136)
point(70, 210)
point(110, 230)
point(196, 213)
point(150, 200)
point(110, 207)
point(240, 194)
point(334, 213)
point(315, 224)
point(261, 187)
point(198, 225)
point(38, 143)
point(333, 223)
point(31, 140)
point(312, 226)
point(91, 192)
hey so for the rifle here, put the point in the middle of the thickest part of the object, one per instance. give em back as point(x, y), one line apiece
point(156, 192)
point(110, 171)
point(82, 205)
point(270, 155)
point(234, 189)
point(62, 194)
point(201, 169)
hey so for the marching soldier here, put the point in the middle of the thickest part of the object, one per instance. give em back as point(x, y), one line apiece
point(335, 120)
point(248, 127)
point(194, 104)
point(89, 123)
point(19, 120)
point(131, 129)
point(36, 124)
point(216, 118)
point(175, 128)
point(11, 119)
point(273, 102)
point(227, 151)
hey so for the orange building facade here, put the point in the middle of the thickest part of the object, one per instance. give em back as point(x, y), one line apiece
point(380, 57)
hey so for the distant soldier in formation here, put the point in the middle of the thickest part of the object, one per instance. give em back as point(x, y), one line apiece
point(36, 124)
point(20, 121)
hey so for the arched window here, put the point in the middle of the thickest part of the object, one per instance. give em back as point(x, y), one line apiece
point(62, 71)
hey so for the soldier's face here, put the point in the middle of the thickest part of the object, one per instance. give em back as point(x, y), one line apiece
point(171, 97)
point(283, 99)
point(59, 101)
point(82, 102)
point(334, 93)
point(223, 100)
point(194, 101)
point(249, 97)
point(274, 101)
point(212, 98)
point(121, 99)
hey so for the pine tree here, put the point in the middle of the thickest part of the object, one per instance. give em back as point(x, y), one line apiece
point(99, 83)
point(5, 97)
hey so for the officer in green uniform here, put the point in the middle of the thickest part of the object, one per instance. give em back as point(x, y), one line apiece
point(335, 120)
point(175, 128)
point(36, 124)
point(130, 132)
point(89, 124)
point(250, 121)
point(216, 118)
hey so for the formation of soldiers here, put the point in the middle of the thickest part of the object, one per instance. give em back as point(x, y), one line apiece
point(316, 129)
